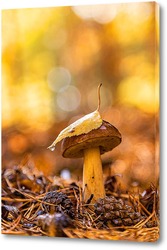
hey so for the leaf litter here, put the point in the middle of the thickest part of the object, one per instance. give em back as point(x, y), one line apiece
point(38, 205)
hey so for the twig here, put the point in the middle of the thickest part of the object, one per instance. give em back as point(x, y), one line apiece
point(98, 95)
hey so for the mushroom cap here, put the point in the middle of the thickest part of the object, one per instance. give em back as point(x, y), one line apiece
point(106, 137)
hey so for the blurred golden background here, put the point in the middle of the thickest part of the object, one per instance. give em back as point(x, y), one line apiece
point(52, 62)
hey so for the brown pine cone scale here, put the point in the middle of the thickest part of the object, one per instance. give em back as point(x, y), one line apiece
point(116, 212)
point(60, 201)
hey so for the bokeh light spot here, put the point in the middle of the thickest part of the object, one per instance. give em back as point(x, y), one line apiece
point(100, 13)
point(138, 92)
point(68, 98)
point(65, 174)
point(58, 78)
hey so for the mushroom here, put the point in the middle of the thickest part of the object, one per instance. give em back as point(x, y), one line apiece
point(89, 137)
point(90, 146)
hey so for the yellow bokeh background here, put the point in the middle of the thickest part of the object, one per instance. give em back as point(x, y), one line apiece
point(120, 50)
point(54, 58)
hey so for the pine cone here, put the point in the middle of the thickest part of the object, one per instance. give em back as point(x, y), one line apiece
point(116, 212)
point(61, 201)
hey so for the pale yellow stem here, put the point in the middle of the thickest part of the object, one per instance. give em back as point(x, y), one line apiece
point(93, 183)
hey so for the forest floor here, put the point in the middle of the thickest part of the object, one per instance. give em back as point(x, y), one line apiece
point(37, 205)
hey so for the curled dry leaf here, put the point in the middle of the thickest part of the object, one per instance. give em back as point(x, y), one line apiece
point(82, 126)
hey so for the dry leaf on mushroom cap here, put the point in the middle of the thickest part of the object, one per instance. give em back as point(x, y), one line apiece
point(82, 126)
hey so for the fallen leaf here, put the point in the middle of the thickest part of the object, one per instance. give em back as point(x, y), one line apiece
point(82, 126)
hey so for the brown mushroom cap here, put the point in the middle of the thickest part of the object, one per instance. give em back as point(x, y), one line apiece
point(106, 137)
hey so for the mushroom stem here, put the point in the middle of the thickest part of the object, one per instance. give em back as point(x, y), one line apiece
point(93, 175)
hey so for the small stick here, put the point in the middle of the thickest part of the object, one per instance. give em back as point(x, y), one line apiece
point(15, 223)
point(89, 200)
point(16, 199)
point(98, 95)
point(141, 223)
point(78, 202)
point(28, 212)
